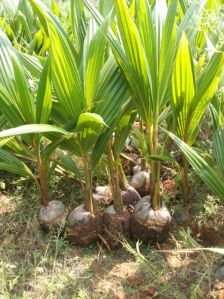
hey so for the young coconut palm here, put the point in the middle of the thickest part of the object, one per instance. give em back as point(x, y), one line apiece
point(27, 117)
point(116, 218)
point(212, 176)
point(145, 53)
point(83, 82)
point(192, 90)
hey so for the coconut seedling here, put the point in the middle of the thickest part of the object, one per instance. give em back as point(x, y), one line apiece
point(27, 115)
point(193, 87)
point(129, 194)
point(145, 52)
point(116, 218)
point(84, 221)
point(211, 175)
point(83, 83)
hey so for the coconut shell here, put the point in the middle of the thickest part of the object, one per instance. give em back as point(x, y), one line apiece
point(148, 225)
point(52, 215)
point(114, 224)
point(82, 227)
point(136, 169)
point(103, 195)
point(130, 196)
point(141, 182)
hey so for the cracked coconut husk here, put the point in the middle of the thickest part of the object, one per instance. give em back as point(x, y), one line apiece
point(114, 224)
point(141, 182)
point(82, 227)
point(52, 215)
point(130, 196)
point(148, 225)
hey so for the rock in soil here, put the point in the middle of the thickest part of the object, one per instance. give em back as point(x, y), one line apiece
point(148, 225)
point(141, 182)
point(114, 224)
point(103, 195)
point(219, 273)
point(130, 196)
point(52, 215)
point(82, 227)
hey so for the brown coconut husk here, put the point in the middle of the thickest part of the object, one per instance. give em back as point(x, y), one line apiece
point(115, 224)
point(148, 225)
point(136, 169)
point(141, 182)
point(103, 195)
point(130, 196)
point(52, 215)
point(82, 227)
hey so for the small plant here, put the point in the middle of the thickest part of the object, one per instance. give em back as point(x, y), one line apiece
point(192, 90)
point(27, 117)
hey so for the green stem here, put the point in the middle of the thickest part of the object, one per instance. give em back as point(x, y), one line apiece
point(143, 160)
point(42, 174)
point(123, 182)
point(114, 175)
point(88, 202)
point(155, 167)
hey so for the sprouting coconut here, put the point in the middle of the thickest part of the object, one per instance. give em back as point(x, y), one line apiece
point(30, 126)
point(53, 214)
point(130, 196)
point(141, 182)
point(115, 223)
point(150, 225)
point(116, 218)
point(151, 219)
point(83, 227)
point(103, 195)
point(83, 223)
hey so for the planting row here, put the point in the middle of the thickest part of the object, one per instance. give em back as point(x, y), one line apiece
point(74, 88)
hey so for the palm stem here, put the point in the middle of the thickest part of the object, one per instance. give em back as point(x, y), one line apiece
point(114, 175)
point(88, 202)
point(155, 166)
point(42, 174)
point(122, 177)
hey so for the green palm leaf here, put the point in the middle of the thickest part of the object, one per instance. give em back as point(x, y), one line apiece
point(64, 71)
point(44, 96)
point(137, 64)
point(89, 127)
point(218, 141)
point(95, 60)
point(32, 129)
point(9, 162)
point(183, 87)
point(202, 168)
